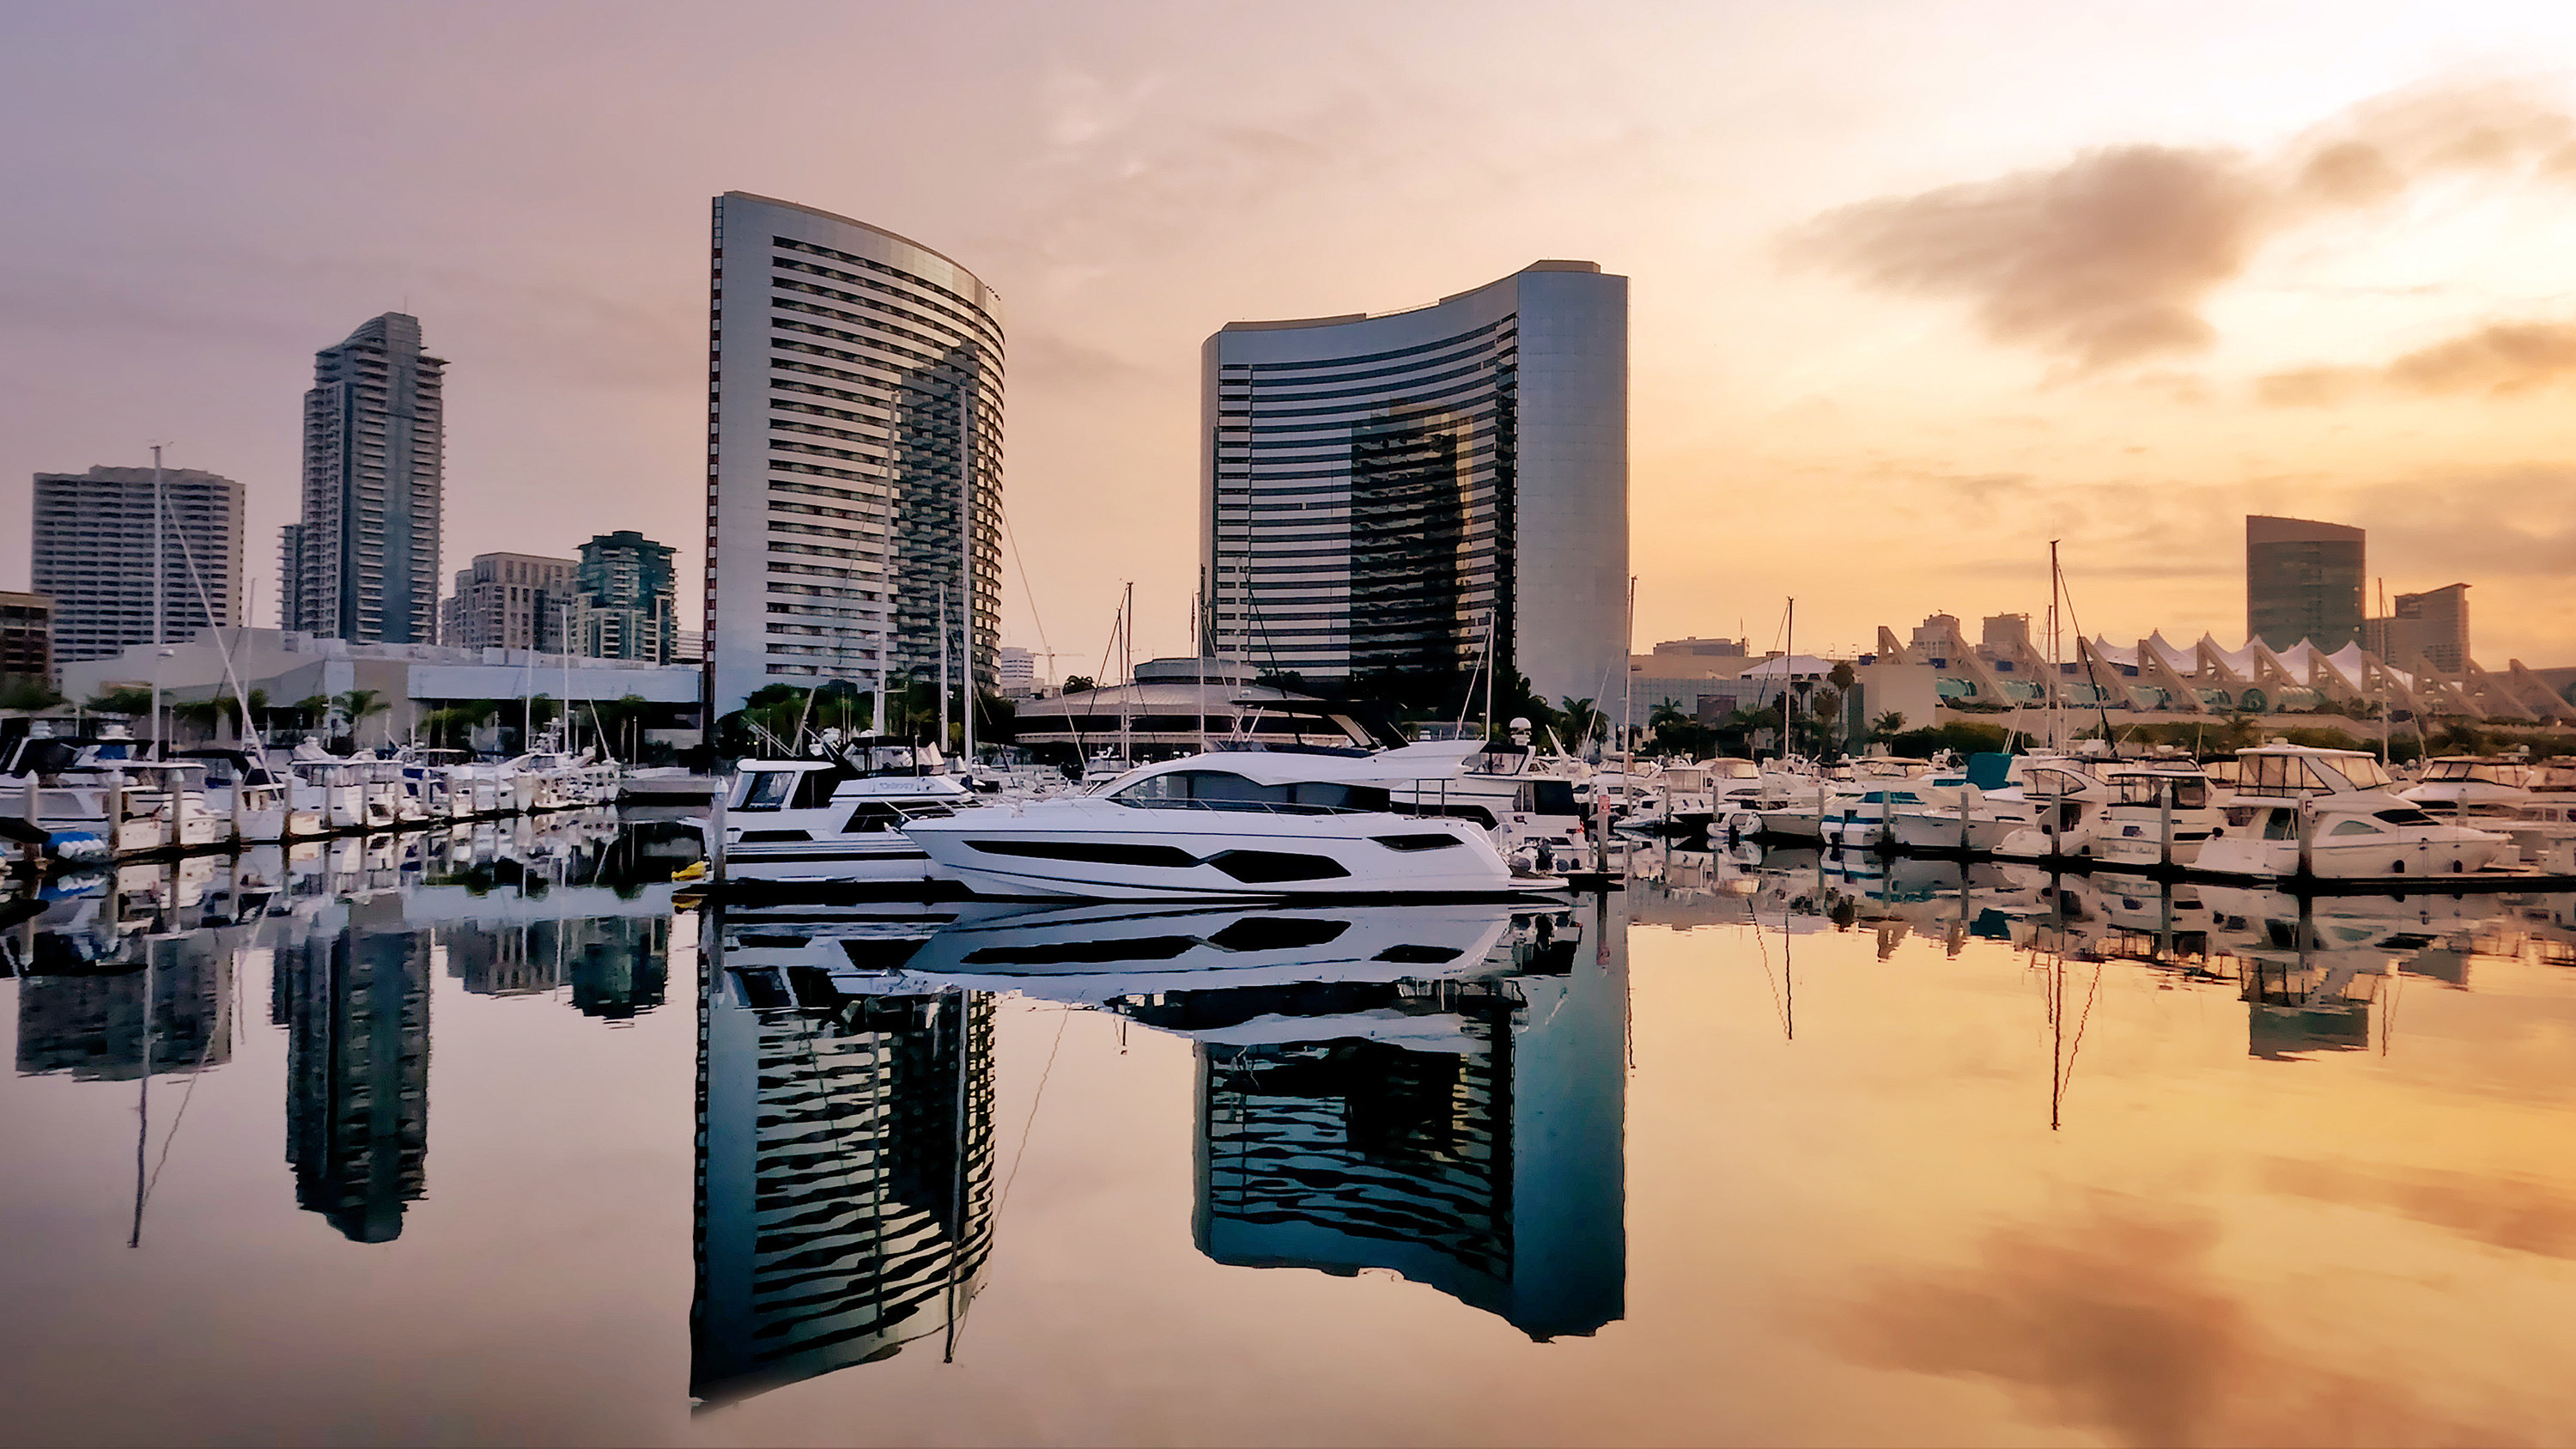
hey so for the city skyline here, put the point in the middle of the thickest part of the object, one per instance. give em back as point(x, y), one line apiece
point(1814, 320)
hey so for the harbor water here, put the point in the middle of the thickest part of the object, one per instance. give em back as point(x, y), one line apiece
point(461, 1138)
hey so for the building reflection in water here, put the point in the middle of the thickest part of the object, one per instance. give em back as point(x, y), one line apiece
point(617, 966)
point(845, 1189)
point(1465, 1133)
point(1438, 1091)
point(350, 984)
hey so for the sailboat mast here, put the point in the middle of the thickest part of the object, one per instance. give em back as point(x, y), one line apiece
point(1788, 672)
point(943, 667)
point(966, 575)
point(1127, 676)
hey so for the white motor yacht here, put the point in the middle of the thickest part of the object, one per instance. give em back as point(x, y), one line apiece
point(2160, 814)
point(1234, 824)
point(2065, 804)
point(837, 820)
point(2331, 814)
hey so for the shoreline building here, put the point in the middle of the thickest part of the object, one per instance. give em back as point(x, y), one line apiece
point(92, 555)
point(362, 564)
point(626, 599)
point(2303, 582)
point(508, 601)
point(854, 446)
point(1382, 494)
point(26, 638)
point(2432, 626)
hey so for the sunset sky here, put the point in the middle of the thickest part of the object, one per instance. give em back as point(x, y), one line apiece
point(1915, 288)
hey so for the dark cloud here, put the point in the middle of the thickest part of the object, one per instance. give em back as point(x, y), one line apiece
point(2115, 1321)
point(2108, 258)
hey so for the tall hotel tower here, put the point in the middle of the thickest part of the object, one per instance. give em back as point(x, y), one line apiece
point(854, 426)
point(1380, 493)
point(363, 563)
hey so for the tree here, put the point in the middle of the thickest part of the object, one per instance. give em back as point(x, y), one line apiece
point(1581, 721)
point(1887, 726)
point(124, 699)
point(27, 691)
point(1078, 683)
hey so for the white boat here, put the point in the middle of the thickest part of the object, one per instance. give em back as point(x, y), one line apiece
point(841, 820)
point(2062, 799)
point(2331, 814)
point(2547, 822)
point(1233, 824)
point(252, 798)
point(2161, 813)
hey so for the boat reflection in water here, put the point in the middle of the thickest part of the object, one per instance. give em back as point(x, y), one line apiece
point(2313, 971)
point(1433, 1090)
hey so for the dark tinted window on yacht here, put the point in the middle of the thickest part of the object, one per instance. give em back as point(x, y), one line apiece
point(2404, 817)
point(1225, 790)
point(768, 790)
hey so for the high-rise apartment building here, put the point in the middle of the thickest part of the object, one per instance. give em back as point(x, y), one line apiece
point(509, 601)
point(854, 454)
point(629, 598)
point(2303, 580)
point(93, 556)
point(362, 564)
point(1381, 495)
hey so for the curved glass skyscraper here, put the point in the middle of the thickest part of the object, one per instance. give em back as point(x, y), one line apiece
point(1382, 494)
point(854, 454)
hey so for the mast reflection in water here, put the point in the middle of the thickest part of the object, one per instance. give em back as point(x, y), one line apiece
point(845, 1161)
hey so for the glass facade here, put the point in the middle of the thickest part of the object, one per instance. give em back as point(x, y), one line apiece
point(1383, 494)
point(854, 454)
point(2303, 580)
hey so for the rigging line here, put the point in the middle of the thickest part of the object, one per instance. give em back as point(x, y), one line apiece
point(1020, 561)
point(178, 1117)
point(2101, 696)
point(1063, 1015)
point(188, 556)
point(2076, 1047)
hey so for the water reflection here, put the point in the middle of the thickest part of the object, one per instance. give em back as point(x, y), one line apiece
point(845, 1153)
point(2340, 1093)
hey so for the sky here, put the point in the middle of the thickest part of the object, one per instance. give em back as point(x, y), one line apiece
point(1916, 288)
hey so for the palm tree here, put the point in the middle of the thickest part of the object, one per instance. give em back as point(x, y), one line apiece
point(1887, 726)
point(1581, 720)
point(357, 704)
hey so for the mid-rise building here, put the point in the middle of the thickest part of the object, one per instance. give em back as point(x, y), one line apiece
point(1408, 493)
point(629, 598)
point(26, 637)
point(2303, 581)
point(93, 556)
point(2432, 626)
point(854, 454)
point(509, 601)
point(362, 563)
point(1017, 672)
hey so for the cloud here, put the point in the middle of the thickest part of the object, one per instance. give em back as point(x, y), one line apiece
point(2499, 359)
point(2115, 1320)
point(2108, 258)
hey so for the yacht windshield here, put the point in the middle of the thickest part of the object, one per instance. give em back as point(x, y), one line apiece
point(766, 789)
point(2364, 772)
point(1225, 790)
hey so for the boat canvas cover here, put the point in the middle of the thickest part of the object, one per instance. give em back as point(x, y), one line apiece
point(1433, 760)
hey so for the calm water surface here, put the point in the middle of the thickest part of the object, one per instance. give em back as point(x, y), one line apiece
point(475, 1139)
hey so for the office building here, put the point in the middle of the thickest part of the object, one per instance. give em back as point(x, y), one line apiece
point(2303, 581)
point(362, 563)
point(628, 599)
point(1016, 671)
point(854, 450)
point(1381, 495)
point(509, 601)
point(26, 637)
point(93, 556)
